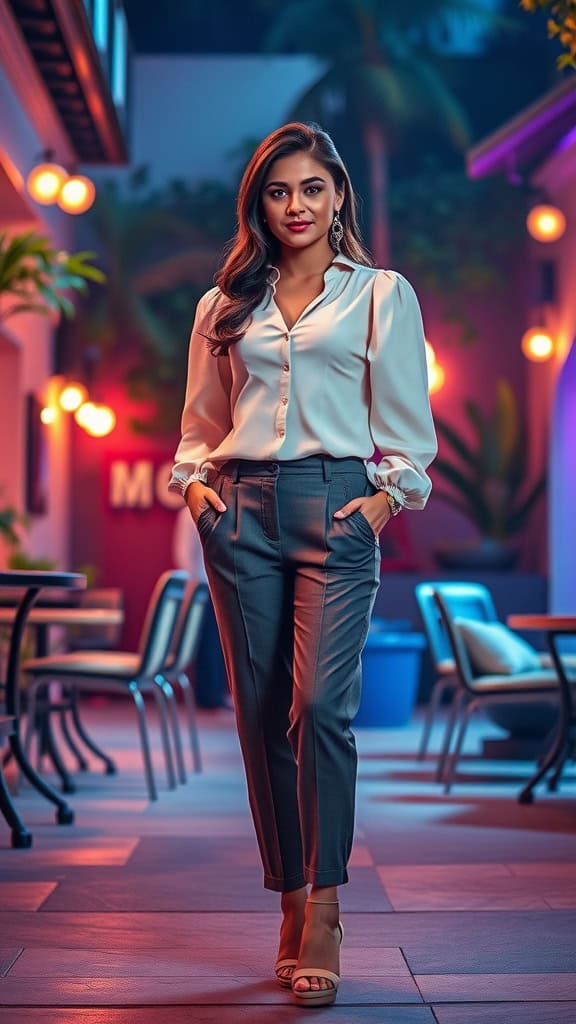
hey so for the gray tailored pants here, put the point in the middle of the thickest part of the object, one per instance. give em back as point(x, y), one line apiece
point(293, 590)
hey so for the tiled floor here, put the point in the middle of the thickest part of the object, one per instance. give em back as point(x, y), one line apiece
point(461, 908)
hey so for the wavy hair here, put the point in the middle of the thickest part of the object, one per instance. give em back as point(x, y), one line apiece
point(243, 277)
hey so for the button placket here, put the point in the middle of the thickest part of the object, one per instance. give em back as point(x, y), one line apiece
point(284, 385)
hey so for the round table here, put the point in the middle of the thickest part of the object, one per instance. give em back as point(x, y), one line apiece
point(32, 582)
point(554, 626)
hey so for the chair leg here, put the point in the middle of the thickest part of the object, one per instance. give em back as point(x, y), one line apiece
point(455, 757)
point(165, 735)
point(21, 837)
point(455, 709)
point(438, 691)
point(66, 780)
point(64, 813)
point(73, 747)
point(552, 784)
point(109, 766)
point(190, 706)
point(144, 740)
point(173, 715)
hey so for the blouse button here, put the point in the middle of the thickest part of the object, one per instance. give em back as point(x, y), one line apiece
point(286, 367)
point(284, 400)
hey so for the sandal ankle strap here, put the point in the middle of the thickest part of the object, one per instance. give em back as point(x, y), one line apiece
point(325, 903)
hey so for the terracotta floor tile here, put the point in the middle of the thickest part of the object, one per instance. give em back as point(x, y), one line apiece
point(82, 852)
point(551, 869)
point(150, 963)
point(219, 1014)
point(24, 895)
point(493, 987)
point(188, 991)
point(7, 958)
point(463, 887)
point(510, 1013)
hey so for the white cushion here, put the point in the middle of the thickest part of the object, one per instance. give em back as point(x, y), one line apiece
point(495, 650)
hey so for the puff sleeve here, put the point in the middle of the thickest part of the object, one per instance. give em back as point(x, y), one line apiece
point(206, 418)
point(401, 421)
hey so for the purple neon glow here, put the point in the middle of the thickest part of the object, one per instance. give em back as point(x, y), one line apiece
point(568, 140)
point(544, 114)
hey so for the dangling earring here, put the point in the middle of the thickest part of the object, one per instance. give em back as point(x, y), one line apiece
point(336, 233)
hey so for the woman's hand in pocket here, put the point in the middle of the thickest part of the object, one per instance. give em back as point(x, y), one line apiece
point(199, 496)
point(375, 509)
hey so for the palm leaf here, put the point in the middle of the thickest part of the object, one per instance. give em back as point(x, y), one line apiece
point(506, 426)
point(464, 450)
point(519, 516)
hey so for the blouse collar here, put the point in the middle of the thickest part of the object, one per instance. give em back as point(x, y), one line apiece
point(339, 261)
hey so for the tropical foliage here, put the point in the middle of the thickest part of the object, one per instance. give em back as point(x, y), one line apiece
point(35, 278)
point(457, 237)
point(377, 73)
point(160, 249)
point(561, 25)
point(488, 477)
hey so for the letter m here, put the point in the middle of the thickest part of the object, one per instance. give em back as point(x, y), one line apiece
point(131, 485)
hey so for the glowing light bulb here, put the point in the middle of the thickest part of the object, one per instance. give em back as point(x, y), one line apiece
point(430, 354)
point(72, 396)
point(537, 345)
point(546, 223)
point(102, 422)
point(48, 414)
point(436, 378)
point(45, 182)
point(77, 194)
point(436, 375)
point(97, 420)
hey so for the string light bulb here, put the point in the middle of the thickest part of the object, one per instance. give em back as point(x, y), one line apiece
point(72, 396)
point(77, 194)
point(97, 420)
point(45, 182)
point(537, 345)
point(436, 374)
point(48, 415)
point(546, 223)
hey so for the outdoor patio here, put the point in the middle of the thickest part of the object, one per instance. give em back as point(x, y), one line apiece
point(461, 908)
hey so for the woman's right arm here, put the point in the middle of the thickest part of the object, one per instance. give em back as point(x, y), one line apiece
point(206, 418)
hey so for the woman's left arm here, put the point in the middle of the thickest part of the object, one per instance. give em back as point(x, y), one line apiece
point(400, 416)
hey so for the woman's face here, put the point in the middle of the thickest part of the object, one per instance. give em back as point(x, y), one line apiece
point(299, 199)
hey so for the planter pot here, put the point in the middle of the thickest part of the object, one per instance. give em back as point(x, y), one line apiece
point(483, 554)
point(390, 676)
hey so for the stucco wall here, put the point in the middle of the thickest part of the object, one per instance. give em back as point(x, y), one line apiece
point(26, 346)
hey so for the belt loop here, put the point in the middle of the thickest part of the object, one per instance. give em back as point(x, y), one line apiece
point(233, 470)
point(327, 469)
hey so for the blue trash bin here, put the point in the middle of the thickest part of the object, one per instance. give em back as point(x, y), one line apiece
point(390, 675)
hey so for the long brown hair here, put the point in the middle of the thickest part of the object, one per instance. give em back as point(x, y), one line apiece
point(243, 277)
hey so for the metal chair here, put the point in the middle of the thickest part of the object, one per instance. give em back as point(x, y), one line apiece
point(469, 600)
point(476, 690)
point(183, 654)
point(132, 673)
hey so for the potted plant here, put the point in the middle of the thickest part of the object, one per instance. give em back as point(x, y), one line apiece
point(488, 482)
point(34, 277)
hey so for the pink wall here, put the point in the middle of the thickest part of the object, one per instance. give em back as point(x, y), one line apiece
point(472, 371)
point(130, 546)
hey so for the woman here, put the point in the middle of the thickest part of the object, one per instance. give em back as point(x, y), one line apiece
point(302, 360)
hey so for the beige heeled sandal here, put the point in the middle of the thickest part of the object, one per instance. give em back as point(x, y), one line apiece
point(285, 981)
point(324, 996)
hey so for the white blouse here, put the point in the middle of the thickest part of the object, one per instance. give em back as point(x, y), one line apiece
point(350, 376)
